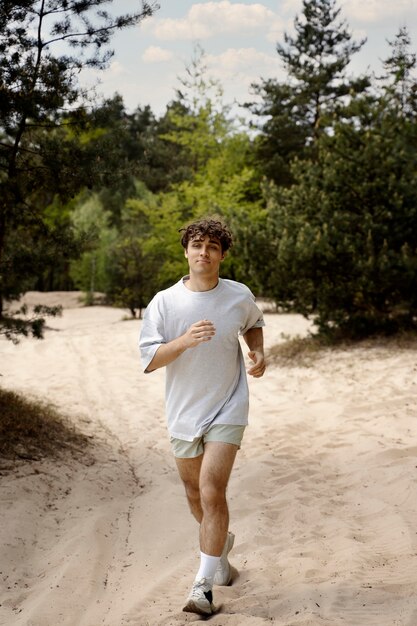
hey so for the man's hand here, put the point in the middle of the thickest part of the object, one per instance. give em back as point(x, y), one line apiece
point(195, 335)
point(198, 333)
point(258, 369)
point(255, 342)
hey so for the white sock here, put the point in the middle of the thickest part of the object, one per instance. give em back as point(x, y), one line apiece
point(208, 566)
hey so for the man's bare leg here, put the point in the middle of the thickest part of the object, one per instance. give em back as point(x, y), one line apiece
point(205, 480)
point(215, 472)
point(189, 471)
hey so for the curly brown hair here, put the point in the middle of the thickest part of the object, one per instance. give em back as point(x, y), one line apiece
point(214, 228)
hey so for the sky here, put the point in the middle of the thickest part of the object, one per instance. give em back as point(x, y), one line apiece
point(239, 39)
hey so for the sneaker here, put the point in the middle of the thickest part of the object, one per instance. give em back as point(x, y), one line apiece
point(225, 572)
point(200, 599)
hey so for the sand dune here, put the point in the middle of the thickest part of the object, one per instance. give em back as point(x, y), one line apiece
point(323, 497)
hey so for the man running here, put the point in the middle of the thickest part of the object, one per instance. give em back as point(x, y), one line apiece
point(192, 329)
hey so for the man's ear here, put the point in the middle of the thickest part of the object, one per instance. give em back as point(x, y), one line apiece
point(224, 256)
point(185, 253)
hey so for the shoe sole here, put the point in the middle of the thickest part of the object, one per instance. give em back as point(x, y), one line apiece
point(192, 607)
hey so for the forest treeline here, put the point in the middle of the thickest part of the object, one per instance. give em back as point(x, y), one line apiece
point(319, 189)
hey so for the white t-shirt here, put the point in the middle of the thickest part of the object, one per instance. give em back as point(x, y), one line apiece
point(207, 384)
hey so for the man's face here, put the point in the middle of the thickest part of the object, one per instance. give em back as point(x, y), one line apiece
point(204, 255)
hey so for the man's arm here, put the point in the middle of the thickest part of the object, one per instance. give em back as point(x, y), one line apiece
point(167, 352)
point(255, 340)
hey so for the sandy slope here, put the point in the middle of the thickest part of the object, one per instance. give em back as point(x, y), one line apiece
point(323, 497)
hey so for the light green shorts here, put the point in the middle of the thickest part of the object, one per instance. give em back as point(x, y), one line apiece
point(226, 433)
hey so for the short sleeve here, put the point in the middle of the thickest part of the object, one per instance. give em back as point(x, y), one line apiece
point(152, 332)
point(254, 316)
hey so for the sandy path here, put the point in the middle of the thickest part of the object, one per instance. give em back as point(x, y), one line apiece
point(323, 497)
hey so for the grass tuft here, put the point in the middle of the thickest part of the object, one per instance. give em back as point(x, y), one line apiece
point(296, 352)
point(31, 430)
point(304, 351)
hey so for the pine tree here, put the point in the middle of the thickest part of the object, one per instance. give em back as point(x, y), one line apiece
point(344, 235)
point(399, 80)
point(299, 109)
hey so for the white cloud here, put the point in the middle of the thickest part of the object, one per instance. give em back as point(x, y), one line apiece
point(235, 60)
point(114, 75)
point(208, 19)
point(155, 54)
point(293, 6)
point(238, 68)
point(116, 69)
point(378, 10)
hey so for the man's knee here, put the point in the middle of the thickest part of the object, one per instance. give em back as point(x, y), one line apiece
point(192, 490)
point(212, 496)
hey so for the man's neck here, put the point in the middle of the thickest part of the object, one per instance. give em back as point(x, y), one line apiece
point(196, 283)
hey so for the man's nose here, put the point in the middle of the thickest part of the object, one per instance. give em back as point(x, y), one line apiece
point(204, 251)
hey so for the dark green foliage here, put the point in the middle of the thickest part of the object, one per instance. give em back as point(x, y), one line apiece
point(345, 233)
point(160, 162)
point(133, 263)
point(49, 144)
point(20, 322)
point(399, 81)
point(322, 203)
point(339, 232)
point(130, 273)
point(300, 109)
